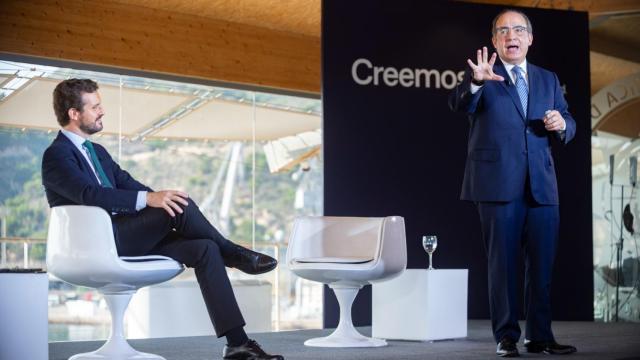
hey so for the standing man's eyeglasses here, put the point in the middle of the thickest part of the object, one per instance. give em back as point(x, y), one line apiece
point(518, 29)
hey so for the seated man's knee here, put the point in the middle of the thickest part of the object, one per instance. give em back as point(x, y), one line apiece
point(190, 207)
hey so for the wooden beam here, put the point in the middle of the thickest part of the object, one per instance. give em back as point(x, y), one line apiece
point(594, 7)
point(140, 38)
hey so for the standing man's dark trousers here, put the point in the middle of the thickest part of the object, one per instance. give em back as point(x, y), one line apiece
point(188, 238)
point(507, 227)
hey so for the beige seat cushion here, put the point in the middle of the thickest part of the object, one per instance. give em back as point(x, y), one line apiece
point(334, 260)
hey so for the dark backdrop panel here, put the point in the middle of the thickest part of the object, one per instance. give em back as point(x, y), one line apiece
point(394, 150)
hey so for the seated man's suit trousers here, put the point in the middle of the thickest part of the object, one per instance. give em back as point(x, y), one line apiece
point(188, 238)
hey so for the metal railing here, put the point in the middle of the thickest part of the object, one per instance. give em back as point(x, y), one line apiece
point(4, 258)
point(26, 262)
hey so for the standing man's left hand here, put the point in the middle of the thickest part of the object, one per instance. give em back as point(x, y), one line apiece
point(553, 121)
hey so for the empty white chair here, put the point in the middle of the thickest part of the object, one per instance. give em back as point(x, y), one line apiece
point(347, 253)
point(81, 250)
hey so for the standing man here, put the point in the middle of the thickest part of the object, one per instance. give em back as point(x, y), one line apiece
point(515, 110)
point(76, 171)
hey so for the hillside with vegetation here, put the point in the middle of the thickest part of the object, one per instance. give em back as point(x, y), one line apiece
point(189, 166)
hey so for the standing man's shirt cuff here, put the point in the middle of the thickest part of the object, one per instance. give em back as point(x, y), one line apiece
point(562, 134)
point(141, 201)
point(475, 88)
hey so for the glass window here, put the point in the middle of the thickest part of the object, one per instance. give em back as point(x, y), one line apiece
point(251, 161)
point(616, 260)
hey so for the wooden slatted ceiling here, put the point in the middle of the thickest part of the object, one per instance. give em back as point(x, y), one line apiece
point(269, 43)
point(143, 38)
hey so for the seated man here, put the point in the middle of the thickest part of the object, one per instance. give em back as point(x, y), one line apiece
point(78, 172)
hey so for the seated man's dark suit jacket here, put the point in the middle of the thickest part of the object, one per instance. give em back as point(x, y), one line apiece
point(69, 180)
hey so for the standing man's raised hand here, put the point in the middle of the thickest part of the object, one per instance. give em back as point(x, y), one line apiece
point(484, 69)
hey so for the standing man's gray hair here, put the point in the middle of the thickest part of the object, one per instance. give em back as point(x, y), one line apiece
point(526, 18)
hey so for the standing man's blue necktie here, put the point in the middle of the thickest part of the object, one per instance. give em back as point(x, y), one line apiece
point(104, 180)
point(523, 89)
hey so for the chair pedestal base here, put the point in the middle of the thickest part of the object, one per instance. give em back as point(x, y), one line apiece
point(117, 347)
point(100, 355)
point(337, 339)
point(345, 334)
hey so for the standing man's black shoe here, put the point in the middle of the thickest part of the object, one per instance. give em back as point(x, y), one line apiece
point(507, 348)
point(249, 261)
point(248, 351)
point(548, 347)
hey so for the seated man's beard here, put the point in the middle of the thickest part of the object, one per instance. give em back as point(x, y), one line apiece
point(90, 128)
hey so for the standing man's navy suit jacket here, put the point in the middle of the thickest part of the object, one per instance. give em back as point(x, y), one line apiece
point(506, 145)
point(69, 180)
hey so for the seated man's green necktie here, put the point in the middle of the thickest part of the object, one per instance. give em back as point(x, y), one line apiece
point(104, 180)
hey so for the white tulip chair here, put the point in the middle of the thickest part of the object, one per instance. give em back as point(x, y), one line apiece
point(81, 250)
point(347, 253)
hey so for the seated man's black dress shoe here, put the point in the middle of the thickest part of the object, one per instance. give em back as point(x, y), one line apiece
point(249, 261)
point(507, 348)
point(548, 347)
point(248, 351)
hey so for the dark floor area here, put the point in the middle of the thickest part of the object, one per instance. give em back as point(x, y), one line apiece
point(597, 341)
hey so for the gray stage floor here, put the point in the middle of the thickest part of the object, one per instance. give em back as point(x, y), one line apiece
point(597, 341)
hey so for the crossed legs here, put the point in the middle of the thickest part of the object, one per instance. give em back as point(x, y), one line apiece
point(190, 239)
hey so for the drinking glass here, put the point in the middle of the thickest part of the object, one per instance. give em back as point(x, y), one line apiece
point(430, 243)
